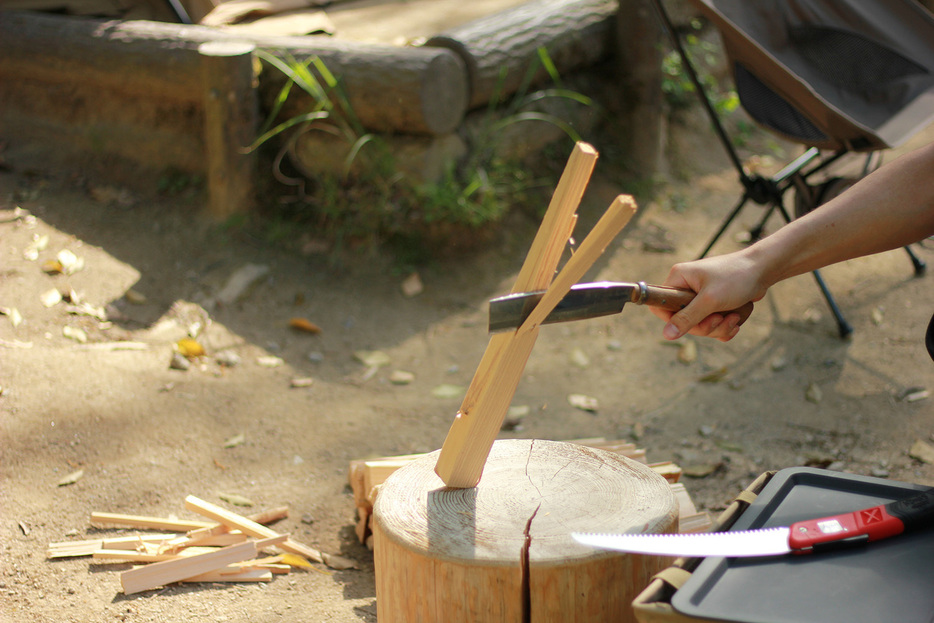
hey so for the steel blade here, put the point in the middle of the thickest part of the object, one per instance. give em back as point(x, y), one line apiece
point(767, 542)
point(584, 300)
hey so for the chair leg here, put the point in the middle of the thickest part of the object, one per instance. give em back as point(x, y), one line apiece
point(844, 327)
point(756, 232)
point(724, 225)
point(917, 262)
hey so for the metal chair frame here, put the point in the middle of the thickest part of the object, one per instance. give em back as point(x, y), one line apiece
point(769, 191)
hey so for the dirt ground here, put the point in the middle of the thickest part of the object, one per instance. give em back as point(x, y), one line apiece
point(786, 392)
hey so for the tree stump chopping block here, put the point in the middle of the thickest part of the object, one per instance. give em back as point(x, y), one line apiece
point(502, 551)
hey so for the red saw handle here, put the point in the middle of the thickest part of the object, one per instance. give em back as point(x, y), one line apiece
point(870, 524)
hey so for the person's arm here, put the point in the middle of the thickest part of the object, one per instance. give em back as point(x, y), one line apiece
point(890, 208)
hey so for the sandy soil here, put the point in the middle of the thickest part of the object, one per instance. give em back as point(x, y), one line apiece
point(786, 392)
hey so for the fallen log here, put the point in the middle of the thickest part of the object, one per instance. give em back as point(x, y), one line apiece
point(500, 49)
point(389, 88)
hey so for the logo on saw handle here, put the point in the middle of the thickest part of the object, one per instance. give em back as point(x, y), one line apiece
point(870, 516)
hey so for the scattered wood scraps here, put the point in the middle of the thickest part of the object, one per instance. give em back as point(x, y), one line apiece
point(366, 476)
point(227, 548)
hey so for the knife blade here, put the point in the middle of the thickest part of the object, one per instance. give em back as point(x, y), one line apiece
point(812, 535)
point(592, 300)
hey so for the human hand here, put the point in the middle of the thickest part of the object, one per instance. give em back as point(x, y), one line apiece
point(722, 282)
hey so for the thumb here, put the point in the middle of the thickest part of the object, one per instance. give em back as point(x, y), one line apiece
point(683, 321)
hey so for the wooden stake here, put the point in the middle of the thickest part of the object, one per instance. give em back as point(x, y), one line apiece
point(230, 125)
point(480, 417)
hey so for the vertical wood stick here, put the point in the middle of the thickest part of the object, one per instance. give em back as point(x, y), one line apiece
point(548, 245)
point(230, 124)
point(468, 443)
point(607, 228)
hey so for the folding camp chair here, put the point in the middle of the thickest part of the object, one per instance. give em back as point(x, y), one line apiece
point(836, 76)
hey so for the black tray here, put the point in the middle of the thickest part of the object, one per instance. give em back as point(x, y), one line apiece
point(888, 580)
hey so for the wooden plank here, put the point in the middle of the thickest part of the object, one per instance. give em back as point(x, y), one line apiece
point(151, 523)
point(132, 556)
point(67, 549)
point(481, 414)
point(668, 470)
point(168, 571)
point(228, 574)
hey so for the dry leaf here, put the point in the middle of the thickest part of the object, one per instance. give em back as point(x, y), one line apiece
point(701, 470)
point(446, 390)
point(813, 393)
point(579, 358)
point(922, 450)
point(688, 352)
point(584, 403)
point(715, 376)
point(294, 560)
point(372, 358)
point(38, 244)
point(269, 361)
point(235, 499)
point(401, 377)
point(135, 298)
point(301, 324)
point(86, 309)
point(51, 298)
point(189, 348)
point(235, 441)
point(71, 478)
point(52, 267)
point(240, 282)
point(338, 562)
point(412, 286)
point(75, 333)
point(305, 381)
point(69, 262)
point(13, 314)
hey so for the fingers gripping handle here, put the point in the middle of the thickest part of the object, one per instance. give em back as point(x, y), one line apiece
point(675, 299)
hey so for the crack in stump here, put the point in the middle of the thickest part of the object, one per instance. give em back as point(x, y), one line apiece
point(525, 568)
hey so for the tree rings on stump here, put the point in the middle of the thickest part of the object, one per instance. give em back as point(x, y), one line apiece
point(503, 551)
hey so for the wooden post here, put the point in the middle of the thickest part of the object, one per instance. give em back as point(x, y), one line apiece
point(230, 125)
point(639, 63)
point(503, 552)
